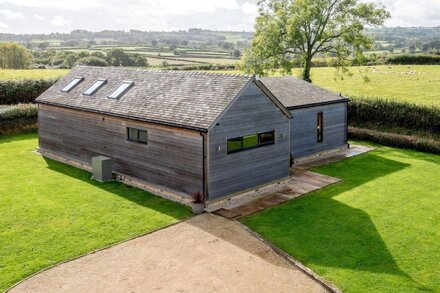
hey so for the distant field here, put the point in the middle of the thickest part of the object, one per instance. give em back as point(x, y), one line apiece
point(32, 73)
point(412, 83)
point(418, 84)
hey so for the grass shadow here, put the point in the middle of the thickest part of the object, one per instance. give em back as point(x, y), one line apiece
point(136, 195)
point(321, 230)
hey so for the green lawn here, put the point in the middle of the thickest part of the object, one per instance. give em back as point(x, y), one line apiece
point(377, 231)
point(51, 212)
point(32, 73)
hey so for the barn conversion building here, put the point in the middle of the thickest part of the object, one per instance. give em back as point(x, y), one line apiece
point(187, 131)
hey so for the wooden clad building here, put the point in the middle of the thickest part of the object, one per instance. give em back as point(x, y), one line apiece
point(186, 131)
point(319, 116)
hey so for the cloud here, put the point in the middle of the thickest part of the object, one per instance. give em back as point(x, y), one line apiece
point(9, 14)
point(249, 8)
point(3, 25)
point(59, 21)
point(39, 17)
point(58, 4)
point(44, 16)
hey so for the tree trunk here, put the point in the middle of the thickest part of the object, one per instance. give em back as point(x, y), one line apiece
point(306, 70)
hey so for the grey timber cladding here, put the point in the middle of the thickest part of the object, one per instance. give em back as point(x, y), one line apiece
point(172, 158)
point(252, 112)
point(303, 135)
point(295, 93)
point(182, 98)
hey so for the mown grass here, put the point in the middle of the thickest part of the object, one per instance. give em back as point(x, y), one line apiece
point(32, 73)
point(376, 231)
point(51, 212)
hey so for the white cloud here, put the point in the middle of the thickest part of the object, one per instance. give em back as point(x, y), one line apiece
point(3, 25)
point(179, 7)
point(59, 21)
point(59, 4)
point(249, 8)
point(43, 16)
point(9, 14)
point(39, 17)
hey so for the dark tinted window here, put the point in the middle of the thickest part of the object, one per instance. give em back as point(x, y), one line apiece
point(251, 141)
point(320, 127)
point(267, 138)
point(137, 135)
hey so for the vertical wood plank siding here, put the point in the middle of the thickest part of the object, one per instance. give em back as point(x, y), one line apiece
point(172, 158)
point(252, 112)
point(303, 136)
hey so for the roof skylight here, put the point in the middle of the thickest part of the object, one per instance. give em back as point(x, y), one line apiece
point(121, 90)
point(72, 84)
point(95, 87)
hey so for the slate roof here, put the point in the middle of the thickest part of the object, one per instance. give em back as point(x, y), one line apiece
point(296, 93)
point(188, 99)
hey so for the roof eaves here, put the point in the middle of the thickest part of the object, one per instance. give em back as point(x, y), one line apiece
point(343, 99)
point(190, 127)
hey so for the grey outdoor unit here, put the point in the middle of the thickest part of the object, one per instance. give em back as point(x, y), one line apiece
point(102, 168)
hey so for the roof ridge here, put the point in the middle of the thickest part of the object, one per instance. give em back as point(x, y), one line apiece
point(165, 71)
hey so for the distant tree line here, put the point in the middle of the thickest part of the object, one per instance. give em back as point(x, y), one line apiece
point(66, 59)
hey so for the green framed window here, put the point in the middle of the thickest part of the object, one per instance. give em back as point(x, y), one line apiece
point(251, 141)
point(137, 135)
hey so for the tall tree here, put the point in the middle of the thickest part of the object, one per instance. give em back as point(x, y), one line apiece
point(289, 33)
point(14, 56)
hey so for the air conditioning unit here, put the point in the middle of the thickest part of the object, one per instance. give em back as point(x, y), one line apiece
point(102, 168)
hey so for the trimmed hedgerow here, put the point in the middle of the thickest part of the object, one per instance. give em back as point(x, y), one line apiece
point(23, 90)
point(414, 59)
point(395, 140)
point(393, 114)
point(18, 118)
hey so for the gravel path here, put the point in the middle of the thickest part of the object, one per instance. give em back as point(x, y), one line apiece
point(206, 253)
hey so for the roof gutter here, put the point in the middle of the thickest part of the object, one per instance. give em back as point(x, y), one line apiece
point(201, 129)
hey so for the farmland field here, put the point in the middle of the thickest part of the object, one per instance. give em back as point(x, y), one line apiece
point(418, 84)
point(32, 73)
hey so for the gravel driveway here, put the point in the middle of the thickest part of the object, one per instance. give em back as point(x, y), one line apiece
point(206, 253)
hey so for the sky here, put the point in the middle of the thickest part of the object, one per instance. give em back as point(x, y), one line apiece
point(46, 16)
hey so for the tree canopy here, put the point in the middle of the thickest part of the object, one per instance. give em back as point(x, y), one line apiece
point(290, 33)
point(14, 56)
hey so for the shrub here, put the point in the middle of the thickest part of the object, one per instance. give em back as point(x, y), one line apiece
point(22, 91)
point(199, 197)
point(393, 114)
point(395, 140)
point(18, 118)
point(414, 59)
point(92, 61)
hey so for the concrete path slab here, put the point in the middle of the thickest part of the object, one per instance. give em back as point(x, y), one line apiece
point(206, 253)
point(301, 182)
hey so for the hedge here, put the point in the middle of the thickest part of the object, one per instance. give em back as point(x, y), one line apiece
point(395, 140)
point(393, 114)
point(18, 118)
point(23, 90)
point(414, 59)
